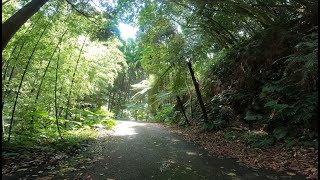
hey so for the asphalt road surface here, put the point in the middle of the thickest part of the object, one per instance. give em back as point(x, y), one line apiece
point(136, 150)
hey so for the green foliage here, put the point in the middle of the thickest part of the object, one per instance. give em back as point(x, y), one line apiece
point(166, 114)
point(258, 140)
point(250, 116)
point(276, 88)
point(82, 74)
point(252, 138)
point(219, 112)
point(108, 123)
point(47, 140)
point(280, 132)
point(101, 113)
point(90, 119)
point(254, 63)
point(296, 88)
point(137, 111)
point(273, 104)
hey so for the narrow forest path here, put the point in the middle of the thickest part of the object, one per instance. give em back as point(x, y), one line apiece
point(136, 150)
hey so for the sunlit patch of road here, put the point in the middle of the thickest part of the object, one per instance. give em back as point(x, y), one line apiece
point(123, 128)
point(126, 128)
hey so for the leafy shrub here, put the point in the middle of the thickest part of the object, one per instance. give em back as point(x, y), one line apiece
point(293, 98)
point(220, 114)
point(104, 113)
point(251, 116)
point(47, 139)
point(166, 114)
point(258, 140)
point(108, 123)
point(280, 133)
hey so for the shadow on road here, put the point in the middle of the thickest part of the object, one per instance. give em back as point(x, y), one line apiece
point(138, 150)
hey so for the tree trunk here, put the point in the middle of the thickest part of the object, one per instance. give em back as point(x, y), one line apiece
point(55, 95)
point(73, 76)
point(22, 78)
point(14, 23)
point(109, 101)
point(182, 110)
point(99, 101)
point(196, 86)
point(112, 101)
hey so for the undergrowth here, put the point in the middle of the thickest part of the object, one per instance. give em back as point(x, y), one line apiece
point(269, 82)
point(75, 133)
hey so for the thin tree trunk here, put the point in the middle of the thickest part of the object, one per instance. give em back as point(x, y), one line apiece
point(22, 78)
point(112, 101)
point(136, 115)
point(99, 101)
point(55, 95)
point(196, 86)
point(14, 23)
point(182, 110)
point(73, 76)
point(109, 102)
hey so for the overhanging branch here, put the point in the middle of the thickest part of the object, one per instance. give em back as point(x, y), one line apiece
point(81, 13)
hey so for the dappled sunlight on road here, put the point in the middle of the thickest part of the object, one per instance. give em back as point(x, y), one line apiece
point(126, 128)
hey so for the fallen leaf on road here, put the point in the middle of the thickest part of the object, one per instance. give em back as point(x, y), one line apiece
point(291, 173)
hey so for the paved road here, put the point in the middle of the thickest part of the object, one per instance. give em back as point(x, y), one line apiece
point(146, 151)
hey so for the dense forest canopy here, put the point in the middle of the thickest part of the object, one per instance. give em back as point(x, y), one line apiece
point(203, 63)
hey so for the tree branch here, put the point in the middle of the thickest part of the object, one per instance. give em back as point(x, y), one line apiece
point(81, 13)
point(5, 2)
